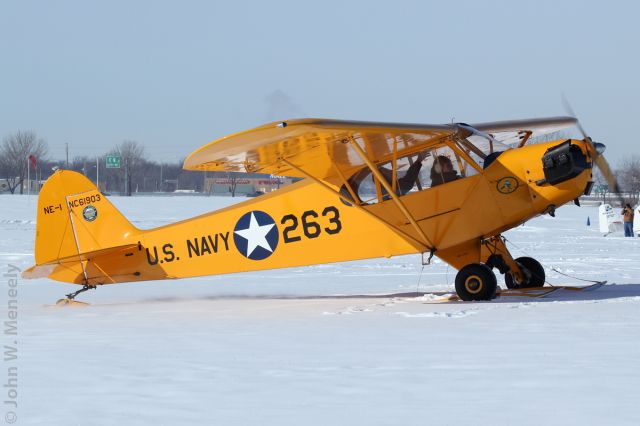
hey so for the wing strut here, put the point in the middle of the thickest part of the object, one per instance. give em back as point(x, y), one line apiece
point(526, 135)
point(345, 182)
point(420, 245)
point(392, 193)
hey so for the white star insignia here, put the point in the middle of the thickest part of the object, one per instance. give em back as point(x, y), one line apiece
point(256, 235)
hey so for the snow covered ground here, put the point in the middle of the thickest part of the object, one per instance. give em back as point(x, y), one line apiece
point(329, 344)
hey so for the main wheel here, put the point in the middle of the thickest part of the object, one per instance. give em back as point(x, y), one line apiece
point(476, 281)
point(534, 273)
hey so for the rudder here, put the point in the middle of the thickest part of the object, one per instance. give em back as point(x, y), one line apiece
point(75, 218)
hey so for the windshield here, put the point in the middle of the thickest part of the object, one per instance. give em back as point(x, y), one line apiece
point(480, 146)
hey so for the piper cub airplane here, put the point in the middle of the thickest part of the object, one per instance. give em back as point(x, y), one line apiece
point(367, 190)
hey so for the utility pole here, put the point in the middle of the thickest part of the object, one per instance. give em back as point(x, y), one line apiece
point(126, 177)
point(28, 177)
point(128, 170)
point(67, 150)
point(98, 173)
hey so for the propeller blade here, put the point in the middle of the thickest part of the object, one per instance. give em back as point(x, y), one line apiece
point(598, 158)
point(603, 165)
point(606, 171)
point(567, 107)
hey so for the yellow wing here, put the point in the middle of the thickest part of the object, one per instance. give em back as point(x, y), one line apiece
point(317, 144)
point(321, 145)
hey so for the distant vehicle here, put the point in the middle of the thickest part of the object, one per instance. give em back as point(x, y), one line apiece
point(445, 190)
point(185, 191)
point(255, 194)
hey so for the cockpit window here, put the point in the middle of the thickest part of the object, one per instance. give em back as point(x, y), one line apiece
point(442, 167)
point(416, 172)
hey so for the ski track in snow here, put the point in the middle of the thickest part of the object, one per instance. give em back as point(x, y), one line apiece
point(364, 342)
point(455, 314)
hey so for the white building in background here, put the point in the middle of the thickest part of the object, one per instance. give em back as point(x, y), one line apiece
point(245, 184)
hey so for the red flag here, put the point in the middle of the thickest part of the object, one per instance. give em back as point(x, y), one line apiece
point(33, 161)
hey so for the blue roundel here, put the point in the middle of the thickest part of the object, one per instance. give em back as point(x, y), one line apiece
point(256, 235)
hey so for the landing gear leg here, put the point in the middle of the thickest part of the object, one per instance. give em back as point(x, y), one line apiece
point(533, 271)
point(523, 272)
point(70, 299)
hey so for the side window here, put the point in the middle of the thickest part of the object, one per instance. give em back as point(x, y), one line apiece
point(416, 172)
point(443, 165)
point(367, 189)
point(408, 173)
point(363, 186)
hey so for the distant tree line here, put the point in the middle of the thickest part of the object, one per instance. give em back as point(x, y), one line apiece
point(15, 152)
point(136, 172)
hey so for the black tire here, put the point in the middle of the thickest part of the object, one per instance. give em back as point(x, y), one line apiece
point(476, 281)
point(532, 269)
point(509, 281)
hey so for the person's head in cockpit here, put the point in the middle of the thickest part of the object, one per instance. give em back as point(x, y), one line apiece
point(442, 171)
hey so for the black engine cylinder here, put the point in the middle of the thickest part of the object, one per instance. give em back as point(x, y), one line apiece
point(563, 162)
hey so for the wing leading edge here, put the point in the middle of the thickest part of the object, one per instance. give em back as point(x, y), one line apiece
point(515, 131)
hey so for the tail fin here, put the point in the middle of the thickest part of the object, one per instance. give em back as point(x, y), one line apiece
point(75, 223)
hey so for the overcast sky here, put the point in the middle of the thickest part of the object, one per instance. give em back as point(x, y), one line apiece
point(176, 75)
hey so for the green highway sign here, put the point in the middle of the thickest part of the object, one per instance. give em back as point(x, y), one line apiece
point(599, 189)
point(113, 161)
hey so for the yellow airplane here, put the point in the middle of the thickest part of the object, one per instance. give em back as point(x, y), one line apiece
point(368, 190)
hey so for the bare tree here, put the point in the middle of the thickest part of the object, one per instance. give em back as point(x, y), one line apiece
point(600, 184)
point(14, 153)
point(232, 178)
point(132, 154)
point(629, 177)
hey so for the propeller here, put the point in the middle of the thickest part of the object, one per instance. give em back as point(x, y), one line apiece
point(596, 150)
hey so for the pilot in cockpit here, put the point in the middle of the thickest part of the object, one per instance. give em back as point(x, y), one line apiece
point(442, 171)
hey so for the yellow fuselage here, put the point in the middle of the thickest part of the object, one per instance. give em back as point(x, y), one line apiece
point(311, 225)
